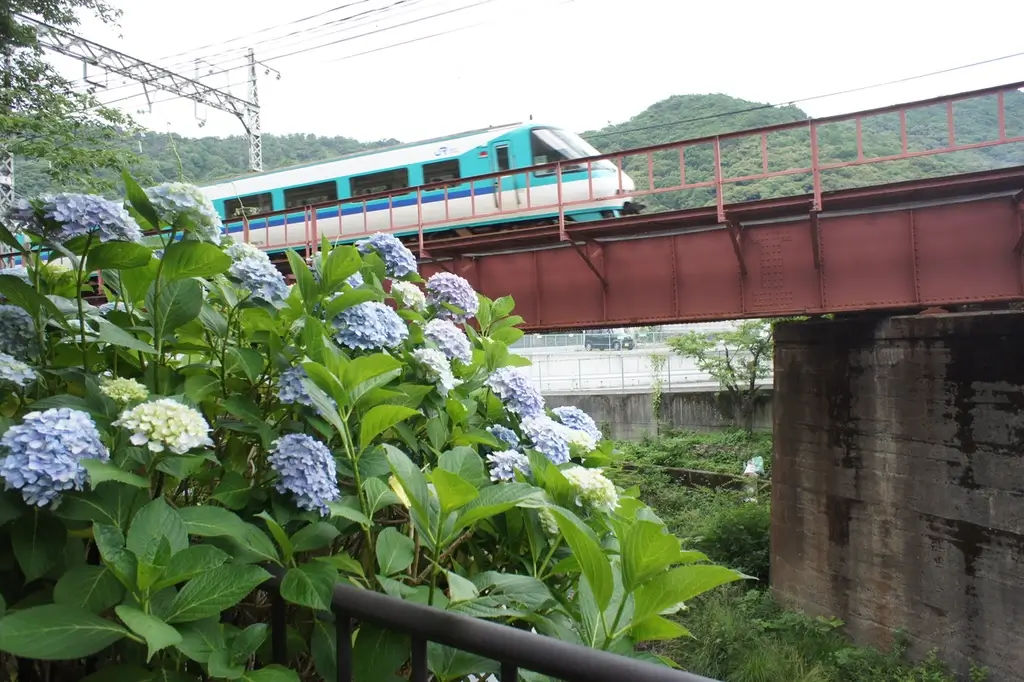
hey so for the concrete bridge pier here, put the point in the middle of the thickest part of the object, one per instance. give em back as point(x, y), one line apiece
point(898, 481)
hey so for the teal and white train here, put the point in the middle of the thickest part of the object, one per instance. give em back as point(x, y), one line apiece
point(600, 192)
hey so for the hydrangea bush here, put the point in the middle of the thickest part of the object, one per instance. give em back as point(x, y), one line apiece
point(164, 453)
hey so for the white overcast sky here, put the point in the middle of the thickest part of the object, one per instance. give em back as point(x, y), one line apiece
point(577, 63)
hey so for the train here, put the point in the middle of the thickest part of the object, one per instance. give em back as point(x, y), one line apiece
point(590, 191)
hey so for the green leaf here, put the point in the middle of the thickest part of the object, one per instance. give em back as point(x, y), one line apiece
point(10, 240)
point(656, 628)
point(307, 285)
point(310, 585)
point(56, 632)
point(466, 463)
point(413, 482)
point(587, 551)
point(395, 551)
point(221, 665)
point(452, 491)
point(343, 562)
point(378, 494)
point(154, 522)
point(18, 293)
point(93, 588)
point(379, 419)
point(251, 362)
point(191, 258)
point(218, 589)
point(378, 653)
point(676, 586)
point(188, 563)
point(140, 202)
point(495, 500)
point(365, 373)
point(326, 381)
point(341, 263)
point(38, 543)
point(647, 550)
point(279, 535)
point(115, 336)
point(117, 256)
point(350, 298)
point(248, 641)
point(233, 491)
point(460, 588)
point(158, 634)
point(100, 472)
point(133, 282)
point(209, 521)
point(200, 638)
point(316, 535)
point(179, 303)
point(272, 673)
point(349, 509)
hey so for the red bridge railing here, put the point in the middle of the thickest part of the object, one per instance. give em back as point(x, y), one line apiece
point(750, 152)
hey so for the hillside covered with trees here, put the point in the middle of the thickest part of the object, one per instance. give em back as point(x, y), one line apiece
point(682, 117)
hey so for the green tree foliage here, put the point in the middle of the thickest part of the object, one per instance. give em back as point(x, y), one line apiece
point(737, 359)
point(66, 138)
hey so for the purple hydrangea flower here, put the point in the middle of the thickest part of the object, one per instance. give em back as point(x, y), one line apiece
point(307, 471)
point(549, 438)
point(81, 214)
point(370, 325)
point(14, 371)
point(173, 200)
point(17, 332)
point(451, 340)
point(577, 419)
point(504, 464)
point(45, 453)
point(398, 260)
point(516, 391)
point(254, 271)
point(504, 434)
point(445, 287)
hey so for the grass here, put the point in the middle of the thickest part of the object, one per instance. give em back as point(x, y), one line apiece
point(741, 632)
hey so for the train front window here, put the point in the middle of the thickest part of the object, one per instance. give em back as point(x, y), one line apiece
point(550, 145)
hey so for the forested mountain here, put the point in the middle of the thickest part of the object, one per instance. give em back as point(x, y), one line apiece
point(682, 117)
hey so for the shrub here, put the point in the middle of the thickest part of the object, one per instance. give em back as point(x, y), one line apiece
point(163, 450)
point(738, 537)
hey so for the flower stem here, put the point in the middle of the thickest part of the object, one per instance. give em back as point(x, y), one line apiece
point(79, 281)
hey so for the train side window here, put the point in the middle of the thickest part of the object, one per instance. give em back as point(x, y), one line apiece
point(375, 183)
point(441, 171)
point(503, 158)
point(297, 197)
point(249, 205)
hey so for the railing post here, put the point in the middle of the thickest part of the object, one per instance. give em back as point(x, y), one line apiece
point(561, 207)
point(815, 167)
point(719, 194)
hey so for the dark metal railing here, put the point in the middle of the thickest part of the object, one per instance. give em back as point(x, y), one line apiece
point(512, 648)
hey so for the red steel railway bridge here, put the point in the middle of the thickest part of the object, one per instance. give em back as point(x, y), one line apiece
point(936, 241)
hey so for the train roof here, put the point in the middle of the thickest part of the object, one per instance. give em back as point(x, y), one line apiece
point(365, 152)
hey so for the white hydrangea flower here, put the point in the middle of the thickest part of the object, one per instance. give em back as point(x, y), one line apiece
point(583, 440)
point(166, 425)
point(593, 489)
point(409, 295)
point(122, 390)
point(438, 368)
point(548, 522)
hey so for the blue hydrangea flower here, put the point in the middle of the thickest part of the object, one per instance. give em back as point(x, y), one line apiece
point(111, 306)
point(307, 471)
point(45, 451)
point(173, 200)
point(504, 464)
point(445, 287)
point(254, 271)
point(504, 434)
point(516, 391)
point(17, 333)
point(370, 325)
point(14, 371)
point(356, 280)
point(577, 419)
point(451, 340)
point(398, 260)
point(549, 437)
point(80, 214)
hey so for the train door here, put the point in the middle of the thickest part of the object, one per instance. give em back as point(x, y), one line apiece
point(506, 188)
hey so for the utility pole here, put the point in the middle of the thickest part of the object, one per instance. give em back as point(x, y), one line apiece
point(150, 75)
point(252, 118)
